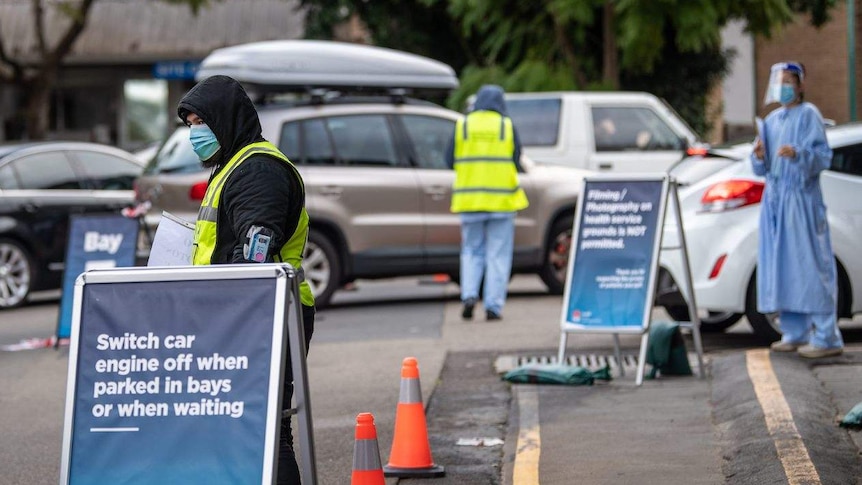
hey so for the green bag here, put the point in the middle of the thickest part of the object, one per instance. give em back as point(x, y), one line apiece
point(556, 374)
point(666, 351)
point(853, 419)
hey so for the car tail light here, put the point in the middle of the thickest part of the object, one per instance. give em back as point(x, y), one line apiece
point(716, 268)
point(697, 150)
point(731, 194)
point(198, 191)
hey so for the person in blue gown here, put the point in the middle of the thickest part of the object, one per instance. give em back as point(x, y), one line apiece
point(796, 272)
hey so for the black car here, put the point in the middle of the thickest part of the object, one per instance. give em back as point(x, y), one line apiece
point(41, 185)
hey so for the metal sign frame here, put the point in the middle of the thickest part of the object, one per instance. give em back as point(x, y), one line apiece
point(668, 189)
point(287, 315)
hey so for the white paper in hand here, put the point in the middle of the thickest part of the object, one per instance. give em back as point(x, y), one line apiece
point(760, 125)
point(172, 244)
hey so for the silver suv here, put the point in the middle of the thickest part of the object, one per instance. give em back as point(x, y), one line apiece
point(378, 192)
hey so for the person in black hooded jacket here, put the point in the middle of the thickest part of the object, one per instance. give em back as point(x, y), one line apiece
point(254, 207)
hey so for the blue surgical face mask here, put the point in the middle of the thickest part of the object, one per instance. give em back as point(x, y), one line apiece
point(204, 141)
point(787, 94)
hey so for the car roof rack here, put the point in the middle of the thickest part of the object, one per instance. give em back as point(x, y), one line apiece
point(337, 98)
point(262, 96)
point(315, 67)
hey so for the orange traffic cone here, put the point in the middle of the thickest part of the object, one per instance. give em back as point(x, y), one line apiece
point(366, 455)
point(411, 454)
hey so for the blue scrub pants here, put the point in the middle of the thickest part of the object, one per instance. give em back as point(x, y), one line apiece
point(817, 329)
point(487, 241)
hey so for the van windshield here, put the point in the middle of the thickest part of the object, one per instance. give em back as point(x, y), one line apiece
point(537, 120)
point(175, 155)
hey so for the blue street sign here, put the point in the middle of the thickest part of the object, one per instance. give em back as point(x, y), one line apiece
point(614, 254)
point(165, 391)
point(95, 241)
point(175, 69)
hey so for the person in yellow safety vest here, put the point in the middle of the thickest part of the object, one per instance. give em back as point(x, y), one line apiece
point(253, 209)
point(485, 153)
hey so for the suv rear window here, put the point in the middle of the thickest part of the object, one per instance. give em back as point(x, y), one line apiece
point(536, 120)
point(350, 140)
point(175, 156)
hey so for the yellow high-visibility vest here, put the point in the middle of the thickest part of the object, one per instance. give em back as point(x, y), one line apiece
point(486, 179)
point(205, 227)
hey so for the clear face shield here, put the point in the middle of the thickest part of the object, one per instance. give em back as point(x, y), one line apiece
point(776, 83)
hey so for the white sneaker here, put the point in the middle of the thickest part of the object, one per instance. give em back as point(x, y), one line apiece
point(812, 352)
point(782, 346)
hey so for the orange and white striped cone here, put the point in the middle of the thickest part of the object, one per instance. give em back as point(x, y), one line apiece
point(411, 453)
point(366, 455)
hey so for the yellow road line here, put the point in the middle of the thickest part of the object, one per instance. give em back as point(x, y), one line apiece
point(526, 468)
point(779, 421)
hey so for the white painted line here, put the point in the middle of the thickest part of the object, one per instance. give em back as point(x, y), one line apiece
point(113, 430)
point(529, 448)
point(779, 420)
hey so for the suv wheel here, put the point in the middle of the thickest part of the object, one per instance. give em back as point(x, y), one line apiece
point(322, 267)
point(766, 326)
point(16, 274)
point(556, 264)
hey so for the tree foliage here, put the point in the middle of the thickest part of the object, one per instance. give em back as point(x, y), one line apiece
point(409, 25)
point(671, 48)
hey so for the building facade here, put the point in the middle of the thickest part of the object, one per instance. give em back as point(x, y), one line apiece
point(829, 54)
point(128, 69)
point(826, 54)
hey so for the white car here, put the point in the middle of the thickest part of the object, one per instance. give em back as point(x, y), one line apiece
point(721, 214)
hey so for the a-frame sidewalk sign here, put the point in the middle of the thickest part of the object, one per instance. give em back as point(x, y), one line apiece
point(611, 278)
point(175, 375)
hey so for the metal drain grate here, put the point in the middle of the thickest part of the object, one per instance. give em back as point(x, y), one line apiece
point(505, 363)
point(592, 361)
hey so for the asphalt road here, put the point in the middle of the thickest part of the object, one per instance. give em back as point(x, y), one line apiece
point(354, 366)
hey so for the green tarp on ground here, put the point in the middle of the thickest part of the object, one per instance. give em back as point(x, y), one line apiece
point(853, 419)
point(556, 374)
point(666, 354)
point(666, 351)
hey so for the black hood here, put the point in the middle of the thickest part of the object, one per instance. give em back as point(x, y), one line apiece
point(226, 108)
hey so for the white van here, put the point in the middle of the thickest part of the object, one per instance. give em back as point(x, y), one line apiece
point(602, 131)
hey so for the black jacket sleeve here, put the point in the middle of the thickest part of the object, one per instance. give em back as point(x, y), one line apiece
point(264, 192)
point(517, 155)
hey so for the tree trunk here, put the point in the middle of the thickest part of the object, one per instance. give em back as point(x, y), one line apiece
point(38, 97)
point(568, 50)
point(610, 60)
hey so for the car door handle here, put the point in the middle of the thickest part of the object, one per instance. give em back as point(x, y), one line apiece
point(331, 191)
point(437, 192)
point(606, 166)
point(30, 208)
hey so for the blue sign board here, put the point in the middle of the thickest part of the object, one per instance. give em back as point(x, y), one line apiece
point(175, 69)
point(173, 382)
point(95, 242)
point(614, 254)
